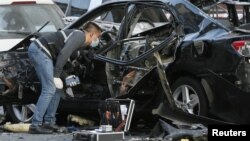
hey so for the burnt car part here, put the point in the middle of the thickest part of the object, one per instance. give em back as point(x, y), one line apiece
point(184, 117)
point(9, 84)
point(16, 66)
point(140, 70)
point(126, 81)
point(166, 131)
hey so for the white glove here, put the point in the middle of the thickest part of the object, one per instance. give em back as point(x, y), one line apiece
point(58, 82)
point(72, 80)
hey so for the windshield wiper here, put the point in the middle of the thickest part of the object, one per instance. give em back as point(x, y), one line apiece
point(42, 26)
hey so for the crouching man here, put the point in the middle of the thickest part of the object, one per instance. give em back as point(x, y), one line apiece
point(49, 54)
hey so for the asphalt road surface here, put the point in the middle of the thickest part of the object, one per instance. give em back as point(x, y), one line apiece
point(4, 136)
point(34, 137)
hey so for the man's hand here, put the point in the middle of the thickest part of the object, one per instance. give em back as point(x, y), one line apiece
point(58, 82)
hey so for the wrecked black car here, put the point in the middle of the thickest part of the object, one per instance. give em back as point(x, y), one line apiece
point(169, 56)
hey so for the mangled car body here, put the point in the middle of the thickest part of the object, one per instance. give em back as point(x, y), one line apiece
point(152, 52)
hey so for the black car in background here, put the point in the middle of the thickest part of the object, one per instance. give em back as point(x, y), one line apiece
point(154, 53)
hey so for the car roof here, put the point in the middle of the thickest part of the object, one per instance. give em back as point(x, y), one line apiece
point(9, 2)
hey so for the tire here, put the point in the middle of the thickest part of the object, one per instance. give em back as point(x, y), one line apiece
point(195, 101)
point(20, 113)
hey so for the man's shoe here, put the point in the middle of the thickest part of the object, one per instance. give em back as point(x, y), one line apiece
point(39, 129)
point(53, 127)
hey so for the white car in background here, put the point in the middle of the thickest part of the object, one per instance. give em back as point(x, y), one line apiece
point(18, 18)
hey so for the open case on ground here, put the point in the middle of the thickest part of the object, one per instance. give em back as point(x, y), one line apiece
point(117, 113)
point(114, 113)
point(98, 136)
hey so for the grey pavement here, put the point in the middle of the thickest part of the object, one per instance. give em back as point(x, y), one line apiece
point(7, 136)
point(35, 137)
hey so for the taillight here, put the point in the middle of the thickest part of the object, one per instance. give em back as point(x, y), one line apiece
point(23, 2)
point(242, 47)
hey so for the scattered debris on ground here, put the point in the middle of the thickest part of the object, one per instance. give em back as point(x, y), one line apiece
point(80, 120)
point(17, 128)
point(178, 131)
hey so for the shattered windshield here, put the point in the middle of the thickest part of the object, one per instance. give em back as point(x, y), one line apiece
point(16, 21)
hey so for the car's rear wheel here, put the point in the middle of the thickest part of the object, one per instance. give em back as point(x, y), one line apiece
point(190, 96)
point(20, 113)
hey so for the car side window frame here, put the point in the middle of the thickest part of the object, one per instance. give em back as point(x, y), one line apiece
point(125, 26)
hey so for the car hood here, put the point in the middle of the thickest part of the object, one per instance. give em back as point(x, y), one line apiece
point(7, 44)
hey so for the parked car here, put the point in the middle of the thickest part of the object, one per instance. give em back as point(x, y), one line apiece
point(154, 53)
point(20, 18)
